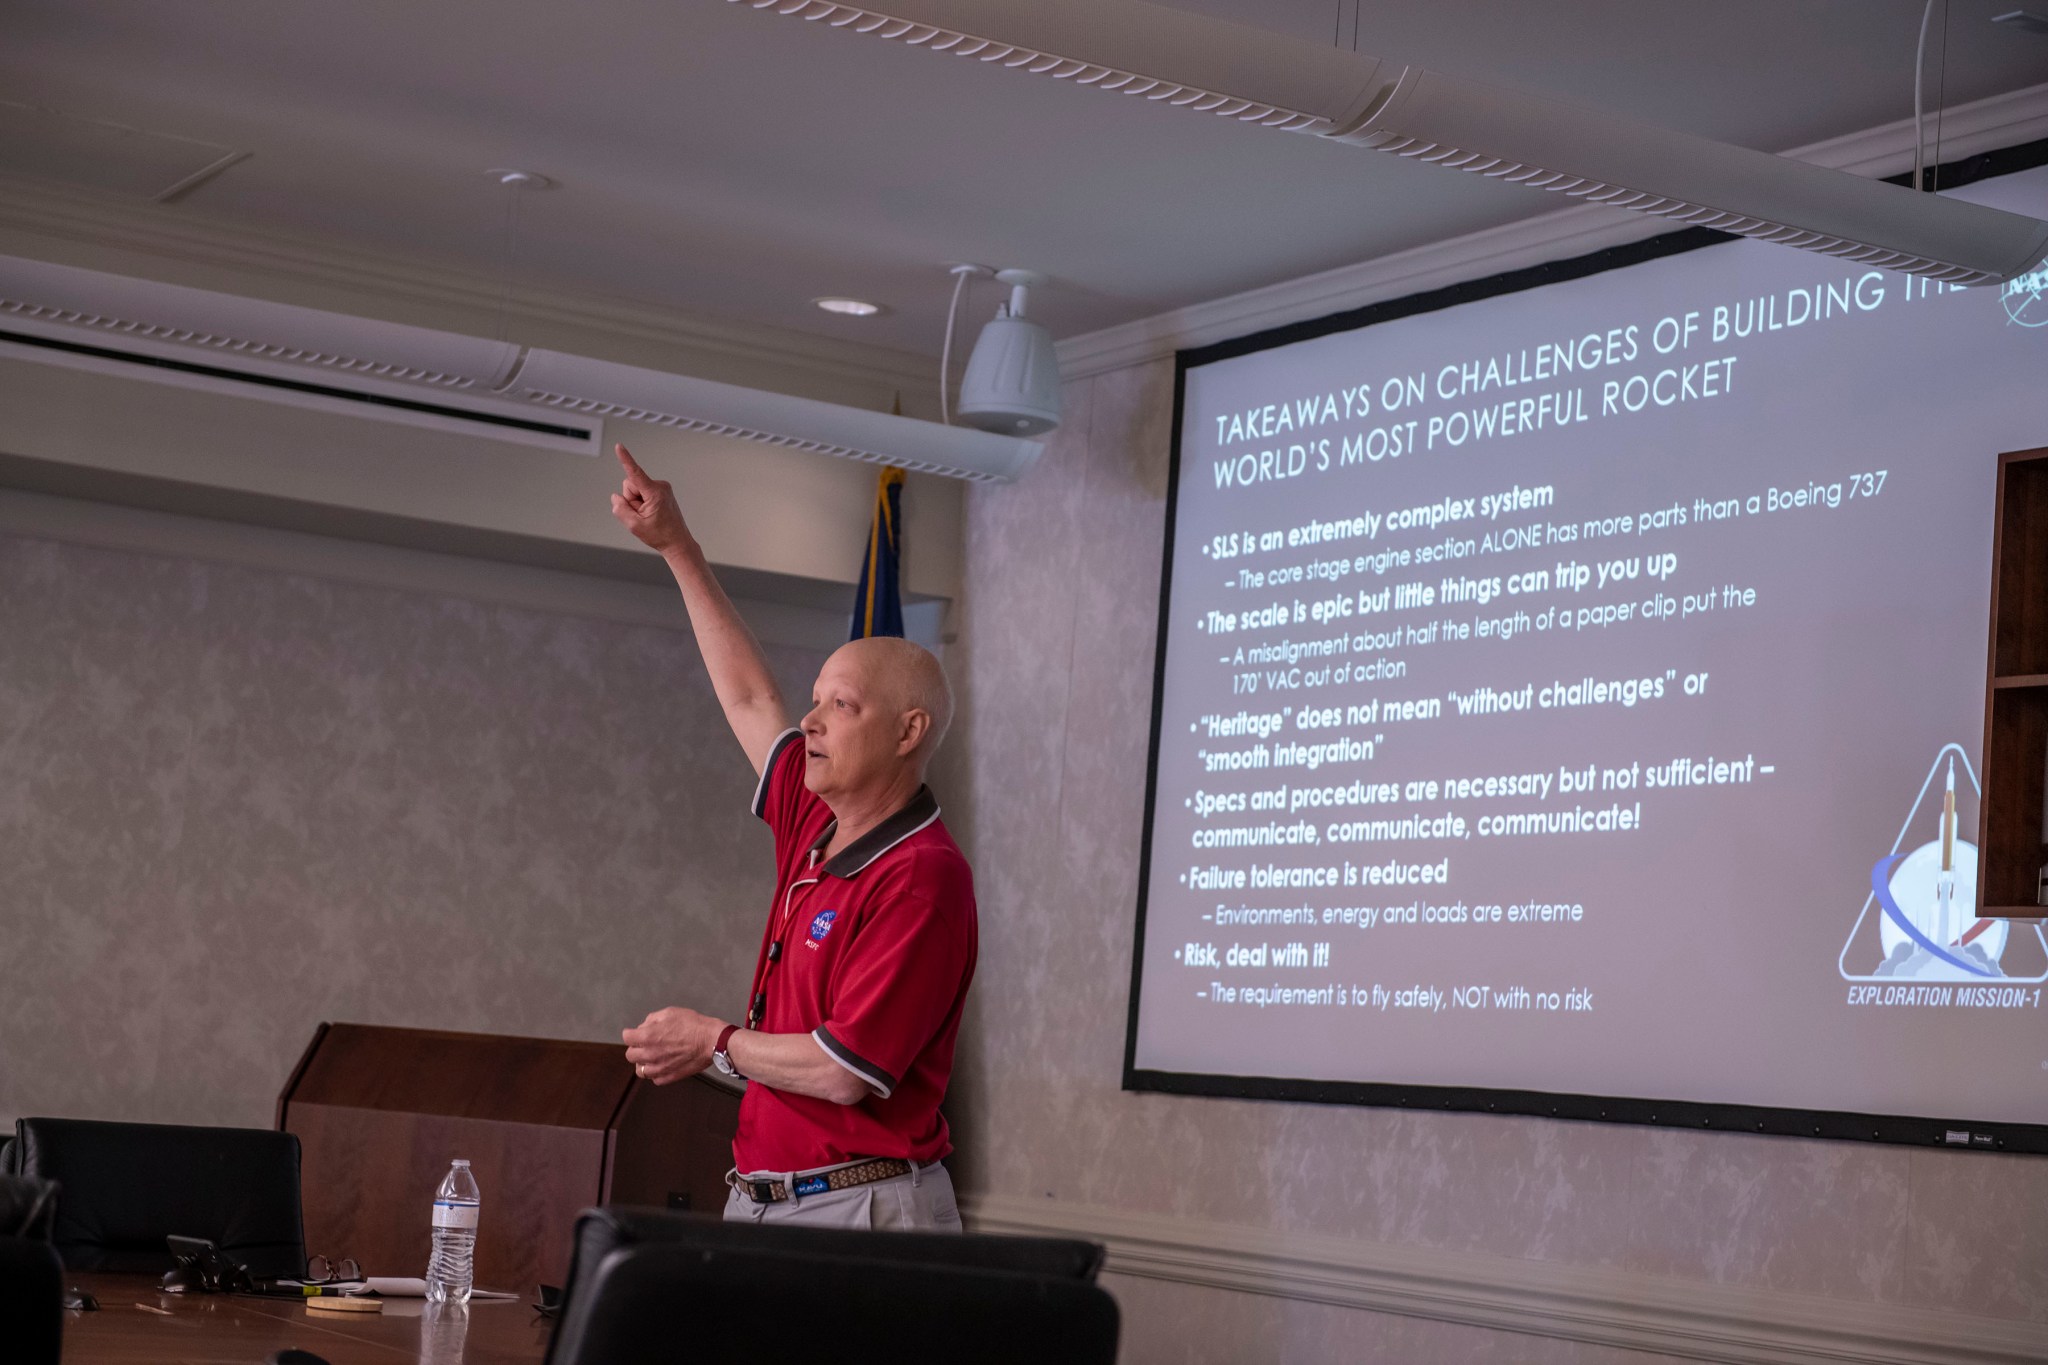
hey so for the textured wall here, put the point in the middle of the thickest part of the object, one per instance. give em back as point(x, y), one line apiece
point(235, 803)
point(1046, 783)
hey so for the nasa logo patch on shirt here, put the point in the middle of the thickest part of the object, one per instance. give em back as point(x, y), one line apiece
point(822, 925)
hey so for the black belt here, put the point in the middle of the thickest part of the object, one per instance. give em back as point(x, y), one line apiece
point(824, 1182)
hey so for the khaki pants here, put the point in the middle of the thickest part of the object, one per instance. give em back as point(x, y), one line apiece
point(919, 1202)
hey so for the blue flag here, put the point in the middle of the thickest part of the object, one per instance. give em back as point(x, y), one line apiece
point(878, 602)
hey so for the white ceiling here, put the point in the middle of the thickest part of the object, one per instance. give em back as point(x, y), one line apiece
point(731, 164)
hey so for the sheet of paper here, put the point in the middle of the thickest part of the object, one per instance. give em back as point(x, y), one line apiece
point(391, 1287)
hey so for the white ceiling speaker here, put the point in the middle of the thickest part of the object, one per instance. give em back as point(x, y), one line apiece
point(1265, 78)
point(1012, 384)
point(386, 371)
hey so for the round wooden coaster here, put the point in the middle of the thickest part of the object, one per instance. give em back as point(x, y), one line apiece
point(329, 1303)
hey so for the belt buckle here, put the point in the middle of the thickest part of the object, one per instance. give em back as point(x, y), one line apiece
point(763, 1191)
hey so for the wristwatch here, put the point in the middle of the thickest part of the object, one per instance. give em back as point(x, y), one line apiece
point(722, 1059)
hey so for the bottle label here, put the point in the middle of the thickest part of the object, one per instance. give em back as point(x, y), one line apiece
point(450, 1214)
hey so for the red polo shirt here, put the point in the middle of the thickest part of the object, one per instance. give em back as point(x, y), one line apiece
point(876, 947)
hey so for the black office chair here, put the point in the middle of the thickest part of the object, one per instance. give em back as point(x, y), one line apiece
point(599, 1232)
point(28, 1208)
point(31, 1294)
point(127, 1186)
point(655, 1303)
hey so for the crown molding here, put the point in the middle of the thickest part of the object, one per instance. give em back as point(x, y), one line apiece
point(394, 286)
point(1985, 125)
point(1692, 1319)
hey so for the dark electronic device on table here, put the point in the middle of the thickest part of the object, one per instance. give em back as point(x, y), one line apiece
point(201, 1269)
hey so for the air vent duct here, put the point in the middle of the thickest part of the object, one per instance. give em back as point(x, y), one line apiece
point(599, 388)
point(230, 325)
point(1254, 76)
point(392, 372)
point(346, 391)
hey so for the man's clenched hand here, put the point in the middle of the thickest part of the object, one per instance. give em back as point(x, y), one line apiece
point(647, 507)
point(671, 1044)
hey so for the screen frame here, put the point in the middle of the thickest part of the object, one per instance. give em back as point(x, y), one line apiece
point(1912, 1130)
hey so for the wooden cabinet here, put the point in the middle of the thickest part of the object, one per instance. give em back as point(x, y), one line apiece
point(2012, 842)
point(549, 1128)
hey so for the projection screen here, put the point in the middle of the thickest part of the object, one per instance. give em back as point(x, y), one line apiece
point(1570, 695)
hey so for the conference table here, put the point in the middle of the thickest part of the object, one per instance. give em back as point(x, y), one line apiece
point(137, 1324)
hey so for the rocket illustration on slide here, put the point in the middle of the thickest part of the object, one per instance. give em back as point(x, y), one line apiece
point(1945, 884)
point(1919, 919)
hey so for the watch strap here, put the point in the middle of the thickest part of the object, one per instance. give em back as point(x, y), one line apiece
point(718, 1049)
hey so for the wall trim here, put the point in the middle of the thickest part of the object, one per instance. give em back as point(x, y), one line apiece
point(1693, 1319)
point(78, 521)
point(1967, 130)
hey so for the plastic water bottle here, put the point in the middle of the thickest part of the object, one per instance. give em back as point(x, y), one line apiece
point(452, 1269)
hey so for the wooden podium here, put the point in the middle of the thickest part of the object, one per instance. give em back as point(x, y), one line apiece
point(549, 1128)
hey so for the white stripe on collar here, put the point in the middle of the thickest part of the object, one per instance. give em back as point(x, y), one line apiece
point(768, 770)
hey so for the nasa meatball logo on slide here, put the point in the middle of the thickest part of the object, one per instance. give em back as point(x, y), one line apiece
point(2026, 298)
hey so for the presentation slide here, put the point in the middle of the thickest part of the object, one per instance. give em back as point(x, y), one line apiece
point(1580, 690)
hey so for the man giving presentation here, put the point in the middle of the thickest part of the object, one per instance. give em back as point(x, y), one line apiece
point(847, 1044)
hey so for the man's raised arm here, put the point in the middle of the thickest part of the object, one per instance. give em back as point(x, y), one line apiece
point(746, 689)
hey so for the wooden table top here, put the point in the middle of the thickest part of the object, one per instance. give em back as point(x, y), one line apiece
point(220, 1329)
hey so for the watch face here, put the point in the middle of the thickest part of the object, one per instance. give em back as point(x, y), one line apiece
point(723, 1063)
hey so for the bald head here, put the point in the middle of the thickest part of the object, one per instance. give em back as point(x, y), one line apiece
point(902, 677)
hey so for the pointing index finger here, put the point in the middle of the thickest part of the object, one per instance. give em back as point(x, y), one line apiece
point(633, 470)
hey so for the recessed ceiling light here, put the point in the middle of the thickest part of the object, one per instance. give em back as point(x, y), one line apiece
point(520, 180)
point(853, 308)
